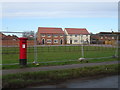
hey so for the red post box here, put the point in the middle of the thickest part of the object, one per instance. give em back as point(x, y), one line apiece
point(23, 51)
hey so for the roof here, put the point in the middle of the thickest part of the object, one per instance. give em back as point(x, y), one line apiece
point(95, 36)
point(10, 37)
point(2, 35)
point(77, 30)
point(48, 30)
point(109, 32)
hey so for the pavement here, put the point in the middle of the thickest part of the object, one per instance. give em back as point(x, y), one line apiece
point(48, 68)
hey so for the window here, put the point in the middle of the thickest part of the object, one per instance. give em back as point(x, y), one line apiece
point(106, 37)
point(55, 35)
point(43, 35)
point(82, 40)
point(75, 40)
point(56, 41)
point(14, 39)
point(49, 35)
point(71, 35)
point(101, 37)
point(49, 40)
point(61, 35)
point(75, 35)
point(113, 38)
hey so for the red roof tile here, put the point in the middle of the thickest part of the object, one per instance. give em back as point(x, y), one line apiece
point(46, 30)
point(77, 30)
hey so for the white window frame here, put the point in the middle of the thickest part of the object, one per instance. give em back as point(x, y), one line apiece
point(43, 35)
point(49, 40)
point(101, 37)
point(14, 39)
point(76, 35)
point(113, 37)
point(48, 35)
point(106, 37)
point(61, 35)
point(55, 35)
point(75, 41)
point(56, 40)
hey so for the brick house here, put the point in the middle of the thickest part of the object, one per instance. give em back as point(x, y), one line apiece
point(77, 36)
point(104, 38)
point(50, 36)
point(8, 40)
point(9, 37)
point(109, 37)
point(95, 39)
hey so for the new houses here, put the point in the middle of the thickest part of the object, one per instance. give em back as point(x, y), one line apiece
point(77, 36)
point(50, 36)
point(57, 36)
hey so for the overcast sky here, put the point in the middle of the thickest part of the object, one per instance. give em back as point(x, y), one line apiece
point(95, 16)
point(60, 9)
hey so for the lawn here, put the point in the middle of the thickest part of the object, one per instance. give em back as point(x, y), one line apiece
point(56, 53)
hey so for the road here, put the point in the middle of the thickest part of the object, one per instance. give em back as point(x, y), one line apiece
point(47, 68)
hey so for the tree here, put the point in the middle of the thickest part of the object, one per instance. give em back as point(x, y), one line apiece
point(91, 33)
point(29, 35)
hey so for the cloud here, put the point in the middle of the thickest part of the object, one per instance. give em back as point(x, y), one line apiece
point(60, 10)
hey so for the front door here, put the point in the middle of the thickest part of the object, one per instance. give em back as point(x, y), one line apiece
point(43, 41)
point(61, 42)
point(70, 41)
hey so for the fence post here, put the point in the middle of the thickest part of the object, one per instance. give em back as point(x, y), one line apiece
point(23, 51)
point(82, 50)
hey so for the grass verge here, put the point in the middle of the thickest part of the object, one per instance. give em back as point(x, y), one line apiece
point(26, 79)
point(58, 63)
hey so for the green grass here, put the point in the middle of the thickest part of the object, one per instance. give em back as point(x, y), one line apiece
point(23, 80)
point(56, 53)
